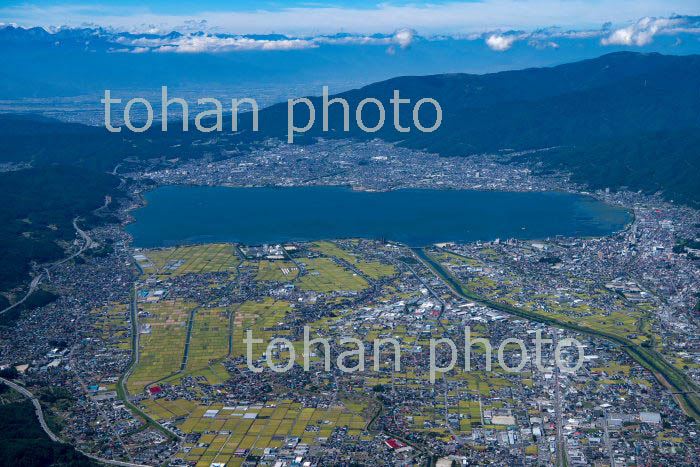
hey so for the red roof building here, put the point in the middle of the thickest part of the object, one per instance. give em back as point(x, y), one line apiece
point(394, 444)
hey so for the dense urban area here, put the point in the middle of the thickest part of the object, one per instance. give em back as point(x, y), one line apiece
point(141, 359)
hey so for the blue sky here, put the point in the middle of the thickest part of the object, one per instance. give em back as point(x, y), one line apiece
point(382, 39)
point(193, 6)
point(361, 16)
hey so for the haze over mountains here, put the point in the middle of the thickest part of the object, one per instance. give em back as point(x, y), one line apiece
point(586, 108)
point(84, 61)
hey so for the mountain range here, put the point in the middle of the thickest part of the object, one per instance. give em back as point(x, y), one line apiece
point(621, 104)
point(66, 62)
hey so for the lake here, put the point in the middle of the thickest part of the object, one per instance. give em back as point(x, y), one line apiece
point(197, 214)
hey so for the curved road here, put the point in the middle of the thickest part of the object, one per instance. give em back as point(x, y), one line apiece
point(37, 408)
point(40, 415)
point(37, 280)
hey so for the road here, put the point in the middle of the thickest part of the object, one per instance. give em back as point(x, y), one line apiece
point(40, 415)
point(562, 452)
point(37, 280)
point(457, 437)
point(681, 386)
point(122, 393)
point(37, 408)
point(103, 415)
point(133, 311)
point(89, 243)
point(608, 443)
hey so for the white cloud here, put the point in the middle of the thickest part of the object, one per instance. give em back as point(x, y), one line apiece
point(199, 36)
point(199, 42)
point(195, 44)
point(500, 43)
point(643, 31)
point(404, 37)
point(533, 42)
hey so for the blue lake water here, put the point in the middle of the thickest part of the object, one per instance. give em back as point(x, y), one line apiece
point(196, 214)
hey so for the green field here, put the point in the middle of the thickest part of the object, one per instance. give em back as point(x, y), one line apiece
point(277, 271)
point(373, 269)
point(161, 350)
point(211, 257)
point(323, 275)
point(256, 427)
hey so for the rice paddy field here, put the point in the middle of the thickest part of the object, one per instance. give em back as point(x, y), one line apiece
point(373, 269)
point(227, 429)
point(111, 324)
point(276, 271)
point(164, 409)
point(227, 434)
point(196, 303)
point(216, 333)
point(324, 275)
point(261, 317)
point(208, 345)
point(580, 301)
point(198, 259)
point(209, 316)
point(210, 337)
point(161, 350)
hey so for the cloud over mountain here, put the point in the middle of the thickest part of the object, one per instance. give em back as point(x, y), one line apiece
point(643, 31)
point(499, 42)
point(199, 37)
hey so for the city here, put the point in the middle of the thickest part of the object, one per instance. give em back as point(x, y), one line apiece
point(224, 241)
point(147, 345)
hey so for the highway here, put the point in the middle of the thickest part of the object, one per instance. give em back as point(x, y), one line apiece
point(37, 408)
point(40, 415)
point(37, 280)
